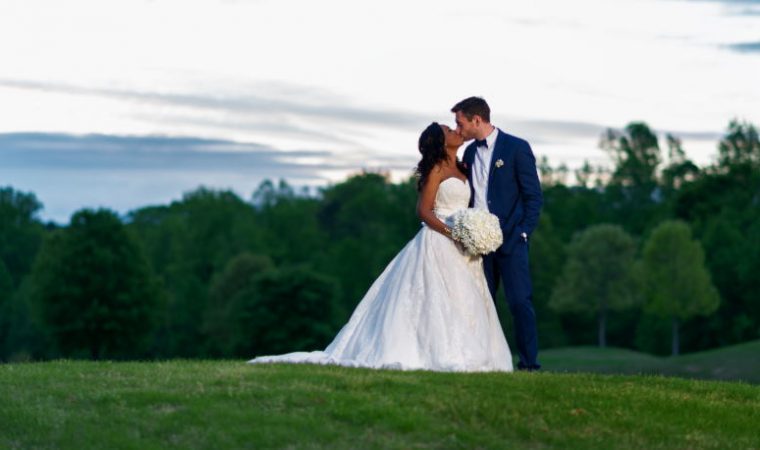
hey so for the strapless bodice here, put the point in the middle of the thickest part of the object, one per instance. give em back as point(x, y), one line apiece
point(453, 194)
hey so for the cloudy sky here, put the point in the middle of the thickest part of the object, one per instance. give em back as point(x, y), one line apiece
point(129, 103)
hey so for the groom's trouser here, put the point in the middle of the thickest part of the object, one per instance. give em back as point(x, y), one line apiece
point(514, 272)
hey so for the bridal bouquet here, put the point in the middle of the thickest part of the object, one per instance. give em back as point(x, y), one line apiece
point(478, 230)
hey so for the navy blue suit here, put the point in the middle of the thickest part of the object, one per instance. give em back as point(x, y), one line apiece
point(514, 196)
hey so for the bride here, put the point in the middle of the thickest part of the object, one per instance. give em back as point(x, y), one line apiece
point(430, 309)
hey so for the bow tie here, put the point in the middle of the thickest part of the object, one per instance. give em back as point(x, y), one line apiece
point(481, 143)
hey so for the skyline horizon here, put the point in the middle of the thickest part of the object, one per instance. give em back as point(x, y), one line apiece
point(314, 91)
point(193, 152)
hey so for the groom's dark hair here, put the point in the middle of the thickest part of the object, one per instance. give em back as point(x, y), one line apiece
point(472, 106)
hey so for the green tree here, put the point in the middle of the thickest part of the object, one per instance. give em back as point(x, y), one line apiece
point(597, 276)
point(288, 223)
point(573, 208)
point(584, 174)
point(26, 338)
point(289, 309)
point(636, 154)
point(187, 243)
point(546, 259)
point(632, 197)
point(680, 169)
point(231, 292)
point(740, 146)
point(6, 283)
point(20, 232)
point(677, 284)
point(6, 292)
point(94, 288)
point(721, 208)
point(367, 220)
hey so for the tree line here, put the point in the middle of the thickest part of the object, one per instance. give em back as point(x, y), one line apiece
point(655, 254)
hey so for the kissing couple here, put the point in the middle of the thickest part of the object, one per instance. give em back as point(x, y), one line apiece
point(432, 308)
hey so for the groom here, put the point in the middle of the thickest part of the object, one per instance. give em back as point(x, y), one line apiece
point(502, 172)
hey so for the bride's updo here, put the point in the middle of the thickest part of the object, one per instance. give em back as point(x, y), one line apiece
point(432, 146)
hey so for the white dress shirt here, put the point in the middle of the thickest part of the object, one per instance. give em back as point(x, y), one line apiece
point(481, 167)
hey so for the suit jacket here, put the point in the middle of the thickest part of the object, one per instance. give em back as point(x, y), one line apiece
point(514, 191)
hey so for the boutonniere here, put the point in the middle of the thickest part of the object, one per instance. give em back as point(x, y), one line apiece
point(499, 163)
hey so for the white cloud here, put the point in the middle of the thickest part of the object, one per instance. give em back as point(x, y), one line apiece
point(361, 79)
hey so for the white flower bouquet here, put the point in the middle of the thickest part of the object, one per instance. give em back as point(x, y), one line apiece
point(478, 230)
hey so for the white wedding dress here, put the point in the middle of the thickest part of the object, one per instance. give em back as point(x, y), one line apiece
point(430, 309)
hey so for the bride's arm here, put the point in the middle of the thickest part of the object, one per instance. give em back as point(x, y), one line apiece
point(426, 201)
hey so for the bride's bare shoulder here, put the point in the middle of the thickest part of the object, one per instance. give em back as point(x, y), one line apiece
point(437, 173)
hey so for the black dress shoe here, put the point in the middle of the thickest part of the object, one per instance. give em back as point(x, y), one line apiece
point(526, 368)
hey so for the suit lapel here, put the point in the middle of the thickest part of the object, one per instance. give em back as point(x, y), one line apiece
point(466, 160)
point(495, 156)
point(469, 159)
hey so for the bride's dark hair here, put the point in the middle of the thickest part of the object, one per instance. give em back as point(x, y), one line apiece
point(432, 146)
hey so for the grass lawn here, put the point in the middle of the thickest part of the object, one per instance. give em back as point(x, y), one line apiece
point(229, 404)
point(738, 362)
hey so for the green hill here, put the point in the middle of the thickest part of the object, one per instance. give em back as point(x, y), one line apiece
point(229, 404)
point(738, 362)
